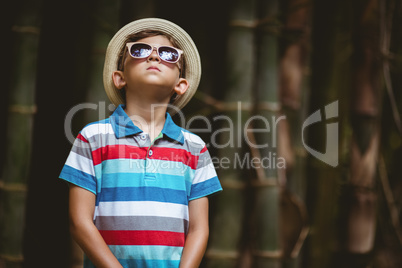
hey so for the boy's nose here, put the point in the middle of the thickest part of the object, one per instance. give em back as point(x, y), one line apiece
point(154, 55)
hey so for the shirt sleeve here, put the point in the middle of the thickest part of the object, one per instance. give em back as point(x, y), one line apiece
point(205, 180)
point(79, 167)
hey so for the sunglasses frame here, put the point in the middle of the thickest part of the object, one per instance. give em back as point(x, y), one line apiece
point(130, 44)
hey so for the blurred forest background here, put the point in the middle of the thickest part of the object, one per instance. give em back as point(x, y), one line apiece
point(288, 58)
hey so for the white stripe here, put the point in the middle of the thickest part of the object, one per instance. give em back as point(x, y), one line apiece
point(81, 163)
point(193, 138)
point(204, 173)
point(142, 208)
point(96, 212)
point(96, 129)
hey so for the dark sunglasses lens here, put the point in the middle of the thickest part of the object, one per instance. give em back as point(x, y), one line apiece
point(140, 50)
point(168, 54)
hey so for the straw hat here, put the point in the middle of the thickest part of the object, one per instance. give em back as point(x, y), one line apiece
point(191, 57)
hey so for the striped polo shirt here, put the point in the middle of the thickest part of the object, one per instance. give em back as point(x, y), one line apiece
point(142, 187)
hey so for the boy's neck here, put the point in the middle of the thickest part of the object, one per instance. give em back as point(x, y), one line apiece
point(149, 117)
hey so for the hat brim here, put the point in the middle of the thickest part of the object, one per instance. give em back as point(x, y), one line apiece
point(191, 58)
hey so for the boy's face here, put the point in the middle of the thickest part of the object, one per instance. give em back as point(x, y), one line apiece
point(151, 77)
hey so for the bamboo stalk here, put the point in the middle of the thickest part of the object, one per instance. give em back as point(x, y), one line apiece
point(106, 19)
point(389, 231)
point(330, 63)
point(267, 249)
point(360, 212)
point(13, 186)
point(390, 199)
point(227, 226)
point(294, 87)
point(293, 91)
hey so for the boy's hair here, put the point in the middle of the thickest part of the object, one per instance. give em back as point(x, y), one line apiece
point(144, 34)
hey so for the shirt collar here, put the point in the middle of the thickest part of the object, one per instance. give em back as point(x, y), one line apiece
point(172, 130)
point(123, 126)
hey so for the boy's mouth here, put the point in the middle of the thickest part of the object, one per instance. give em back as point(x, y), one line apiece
point(153, 68)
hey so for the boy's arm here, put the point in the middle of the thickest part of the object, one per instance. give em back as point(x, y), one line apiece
point(198, 232)
point(83, 230)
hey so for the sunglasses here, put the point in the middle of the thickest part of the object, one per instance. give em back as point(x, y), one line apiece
point(143, 50)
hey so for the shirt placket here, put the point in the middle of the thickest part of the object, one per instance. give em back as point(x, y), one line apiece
point(149, 152)
point(145, 145)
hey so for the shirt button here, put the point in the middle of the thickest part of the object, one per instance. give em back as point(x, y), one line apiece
point(150, 153)
point(143, 136)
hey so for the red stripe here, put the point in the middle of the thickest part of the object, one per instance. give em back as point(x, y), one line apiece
point(175, 155)
point(110, 152)
point(118, 151)
point(79, 136)
point(204, 150)
point(150, 238)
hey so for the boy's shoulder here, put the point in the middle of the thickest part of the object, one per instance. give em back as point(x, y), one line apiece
point(192, 139)
point(96, 128)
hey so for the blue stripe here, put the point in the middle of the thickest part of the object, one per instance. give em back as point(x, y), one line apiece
point(152, 252)
point(137, 180)
point(133, 256)
point(149, 263)
point(122, 165)
point(143, 194)
point(205, 188)
point(139, 166)
point(79, 178)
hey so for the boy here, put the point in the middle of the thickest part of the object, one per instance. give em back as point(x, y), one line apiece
point(138, 182)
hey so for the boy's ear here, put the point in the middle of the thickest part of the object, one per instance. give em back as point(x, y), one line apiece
point(118, 79)
point(181, 87)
